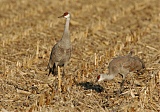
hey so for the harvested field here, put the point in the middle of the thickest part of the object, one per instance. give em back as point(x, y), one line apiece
point(99, 31)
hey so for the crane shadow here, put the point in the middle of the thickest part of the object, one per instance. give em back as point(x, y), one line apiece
point(90, 85)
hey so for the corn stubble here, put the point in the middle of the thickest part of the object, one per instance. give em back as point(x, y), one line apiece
point(99, 32)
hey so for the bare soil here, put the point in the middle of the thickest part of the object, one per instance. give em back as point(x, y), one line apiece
point(100, 31)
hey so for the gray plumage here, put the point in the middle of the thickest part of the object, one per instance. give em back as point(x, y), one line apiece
point(61, 52)
point(122, 65)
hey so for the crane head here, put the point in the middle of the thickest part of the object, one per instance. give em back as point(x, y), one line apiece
point(65, 15)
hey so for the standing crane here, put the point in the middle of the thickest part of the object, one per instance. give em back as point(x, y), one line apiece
point(61, 51)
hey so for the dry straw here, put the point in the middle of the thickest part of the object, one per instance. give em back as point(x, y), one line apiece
point(99, 32)
point(59, 79)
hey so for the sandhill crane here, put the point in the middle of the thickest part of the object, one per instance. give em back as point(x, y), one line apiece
point(61, 51)
point(122, 65)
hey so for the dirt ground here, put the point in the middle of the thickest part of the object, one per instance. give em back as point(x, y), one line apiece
point(100, 30)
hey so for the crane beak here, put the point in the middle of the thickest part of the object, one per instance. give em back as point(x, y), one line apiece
point(60, 16)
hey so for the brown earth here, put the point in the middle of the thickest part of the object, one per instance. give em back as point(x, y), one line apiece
point(100, 30)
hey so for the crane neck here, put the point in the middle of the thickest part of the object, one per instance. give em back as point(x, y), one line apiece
point(107, 76)
point(66, 28)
